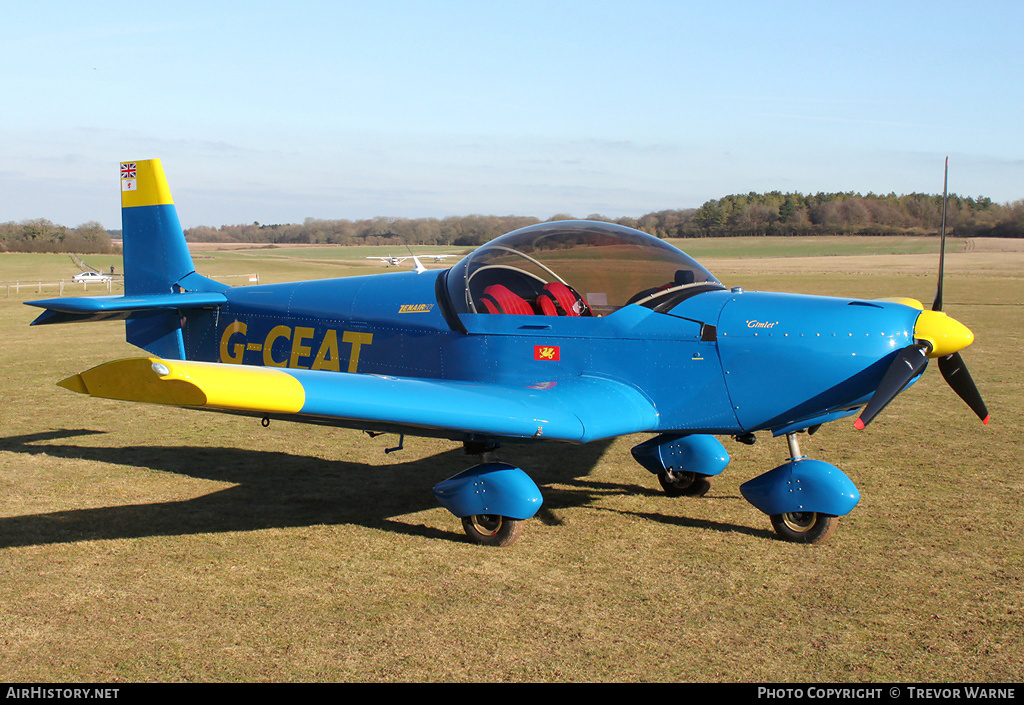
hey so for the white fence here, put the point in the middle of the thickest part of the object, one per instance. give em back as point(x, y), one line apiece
point(63, 286)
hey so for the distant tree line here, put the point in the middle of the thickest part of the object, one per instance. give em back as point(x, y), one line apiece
point(43, 236)
point(456, 230)
point(757, 214)
point(779, 213)
point(773, 213)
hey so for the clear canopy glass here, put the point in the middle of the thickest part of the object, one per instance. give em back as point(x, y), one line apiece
point(605, 267)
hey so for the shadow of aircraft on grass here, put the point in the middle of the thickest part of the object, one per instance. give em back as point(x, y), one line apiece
point(279, 490)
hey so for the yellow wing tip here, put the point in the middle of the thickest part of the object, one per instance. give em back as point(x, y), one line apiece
point(190, 383)
point(75, 383)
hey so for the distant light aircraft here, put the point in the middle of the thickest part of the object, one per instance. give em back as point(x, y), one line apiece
point(395, 261)
point(567, 331)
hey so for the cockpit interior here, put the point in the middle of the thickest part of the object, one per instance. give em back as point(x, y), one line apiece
point(573, 268)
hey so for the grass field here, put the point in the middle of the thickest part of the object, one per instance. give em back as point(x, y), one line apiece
point(143, 543)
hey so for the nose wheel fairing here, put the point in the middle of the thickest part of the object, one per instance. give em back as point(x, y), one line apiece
point(800, 486)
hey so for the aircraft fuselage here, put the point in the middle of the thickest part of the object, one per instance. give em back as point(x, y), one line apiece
point(718, 362)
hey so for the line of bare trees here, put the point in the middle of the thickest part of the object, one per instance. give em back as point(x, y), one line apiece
point(758, 214)
point(777, 213)
point(41, 235)
point(773, 213)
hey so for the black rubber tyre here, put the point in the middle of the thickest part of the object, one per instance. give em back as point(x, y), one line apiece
point(492, 529)
point(804, 527)
point(684, 484)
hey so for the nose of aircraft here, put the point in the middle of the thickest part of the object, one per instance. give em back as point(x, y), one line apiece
point(944, 334)
point(937, 336)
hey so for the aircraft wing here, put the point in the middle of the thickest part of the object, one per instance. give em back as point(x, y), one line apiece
point(578, 410)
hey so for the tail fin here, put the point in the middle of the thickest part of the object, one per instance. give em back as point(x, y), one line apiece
point(160, 282)
point(156, 257)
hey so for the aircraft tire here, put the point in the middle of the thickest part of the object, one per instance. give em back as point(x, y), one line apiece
point(684, 484)
point(492, 529)
point(804, 527)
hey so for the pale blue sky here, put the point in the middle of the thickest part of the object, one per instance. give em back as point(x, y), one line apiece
point(274, 112)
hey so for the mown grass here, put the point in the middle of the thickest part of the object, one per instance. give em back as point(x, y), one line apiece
point(283, 263)
point(142, 543)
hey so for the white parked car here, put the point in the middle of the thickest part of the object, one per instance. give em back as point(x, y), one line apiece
point(91, 277)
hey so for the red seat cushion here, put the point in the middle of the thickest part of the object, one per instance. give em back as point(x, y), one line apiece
point(561, 300)
point(499, 299)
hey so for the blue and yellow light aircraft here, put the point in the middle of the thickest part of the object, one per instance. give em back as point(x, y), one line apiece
point(567, 331)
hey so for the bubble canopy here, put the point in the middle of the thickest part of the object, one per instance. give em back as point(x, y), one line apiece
point(605, 267)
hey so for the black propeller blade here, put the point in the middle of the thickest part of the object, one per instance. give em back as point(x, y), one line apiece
point(937, 303)
point(912, 359)
point(954, 371)
point(907, 365)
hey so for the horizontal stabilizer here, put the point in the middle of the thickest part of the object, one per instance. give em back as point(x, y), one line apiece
point(94, 308)
point(577, 410)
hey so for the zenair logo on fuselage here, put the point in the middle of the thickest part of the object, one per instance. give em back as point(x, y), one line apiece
point(288, 346)
point(415, 308)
